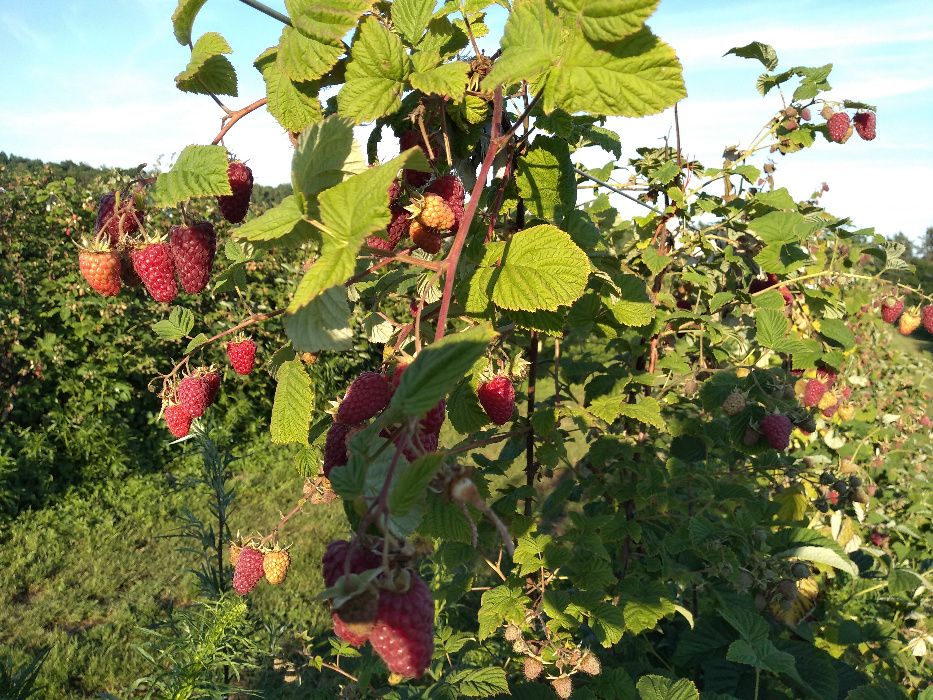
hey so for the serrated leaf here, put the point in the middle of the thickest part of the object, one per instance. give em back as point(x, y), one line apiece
point(376, 74)
point(295, 105)
point(411, 17)
point(661, 688)
point(199, 171)
point(438, 368)
point(821, 555)
point(502, 603)
point(304, 59)
point(611, 408)
point(634, 308)
point(782, 227)
point(178, 324)
point(480, 682)
point(607, 621)
point(448, 79)
point(644, 606)
point(762, 654)
point(322, 324)
point(750, 625)
point(529, 553)
point(771, 327)
point(541, 268)
point(183, 19)
point(281, 221)
point(208, 71)
point(410, 486)
point(326, 154)
point(758, 51)
point(196, 342)
point(545, 179)
point(608, 20)
point(327, 21)
point(837, 331)
point(293, 404)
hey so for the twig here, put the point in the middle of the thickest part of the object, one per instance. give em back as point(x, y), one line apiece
point(233, 117)
point(531, 468)
point(268, 11)
point(285, 518)
point(339, 670)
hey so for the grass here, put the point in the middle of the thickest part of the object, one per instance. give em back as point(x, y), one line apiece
point(84, 576)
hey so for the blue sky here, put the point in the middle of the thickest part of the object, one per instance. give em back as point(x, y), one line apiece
point(92, 81)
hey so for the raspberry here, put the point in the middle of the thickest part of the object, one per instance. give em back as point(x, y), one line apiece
point(807, 425)
point(275, 566)
point(590, 664)
point(398, 224)
point(805, 114)
point(410, 139)
point(335, 447)
point(193, 248)
point(354, 619)
point(532, 668)
point(497, 397)
point(813, 393)
point(101, 269)
point(193, 395)
point(429, 240)
point(434, 418)
point(827, 376)
point(435, 213)
point(837, 126)
point(909, 323)
point(750, 437)
point(127, 273)
point(233, 206)
point(864, 123)
point(125, 222)
point(397, 373)
point(403, 634)
point(153, 264)
point(242, 355)
point(563, 687)
point(734, 403)
point(368, 395)
point(830, 411)
point(334, 564)
point(235, 550)
point(926, 316)
point(212, 379)
point(879, 539)
point(777, 428)
point(177, 419)
point(248, 570)
point(759, 285)
point(450, 189)
point(891, 309)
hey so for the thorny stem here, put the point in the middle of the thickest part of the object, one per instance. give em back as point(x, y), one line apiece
point(450, 265)
point(531, 468)
point(235, 116)
point(852, 275)
point(339, 670)
point(487, 441)
point(389, 258)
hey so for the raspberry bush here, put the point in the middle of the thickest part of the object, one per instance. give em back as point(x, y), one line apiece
point(593, 457)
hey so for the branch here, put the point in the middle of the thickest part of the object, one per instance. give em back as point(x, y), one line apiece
point(268, 11)
point(531, 469)
point(233, 117)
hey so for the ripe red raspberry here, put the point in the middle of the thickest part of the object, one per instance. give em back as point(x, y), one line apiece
point(403, 634)
point(837, 126)
point(248, 570)
point(242, 355)
point(830, 411)
point(497, 397)
point(429, 240)
point(926, 317)
point(153, 264)
point(434, 213)
point(193, 249)
point(813, 393)
point(434, 418)
point(101, 269)
point(335, 447)
point(777, 429)
point(395, 231)
point(334, 566)
point(827, 376)
point(410, 139)
point(864, 123)
point(125, 222)
point(450, 189)
point(368, 395)
point(879, 539)
point(233, 206)
point(194, 395)
point(212, 378)
point(758, 285)
point(891, 309)
point(177, 419)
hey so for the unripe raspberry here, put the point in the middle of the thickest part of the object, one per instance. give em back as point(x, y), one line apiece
point(734, 403)
point(275, 566)
point(532, 668)
point(563, 687)
point(908, 323)
point(428, 239)
point(590, 664)
point(512, 632)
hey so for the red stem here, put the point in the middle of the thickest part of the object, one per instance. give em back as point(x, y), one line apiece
point(236, 116)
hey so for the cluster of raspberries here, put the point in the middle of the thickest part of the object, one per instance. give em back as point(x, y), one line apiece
point(424, 209)
point(839, 127)
point(399, 624)
point(118, 256)
point(251, 563)
point(892, 311)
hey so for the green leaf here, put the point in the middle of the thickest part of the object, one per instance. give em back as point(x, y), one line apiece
point(323, 324)
point(376, 74)
point(303, 59)
point(611, 408)
point(635, 307)
point(838, 332)
point(448, 79)
point(178, 324)
point(782, 227)
point(772, 327)
point(756, 50)
point(821, 555)
point(200, 171)
point(529, 554)
point(327, 21)
point(879, 690)
point(608, 20)
point(410, 486)
point(607, 621)
point(902, 581)
point(545, 179)
point(762, 654)
point(411, 17)
point(782, 258)
point(480, 682)
point(295, 105)
point(644, 605)
point(541, 268)
point(531, 44)
point(293, 404)
point(208, 71)
point(750, 625)
point(438, 368)
point(196, 342)
point(183, 19)
point(661, 688)
point(274, 224)
point(325, 155)
point(350, 212)
point(502, 603)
